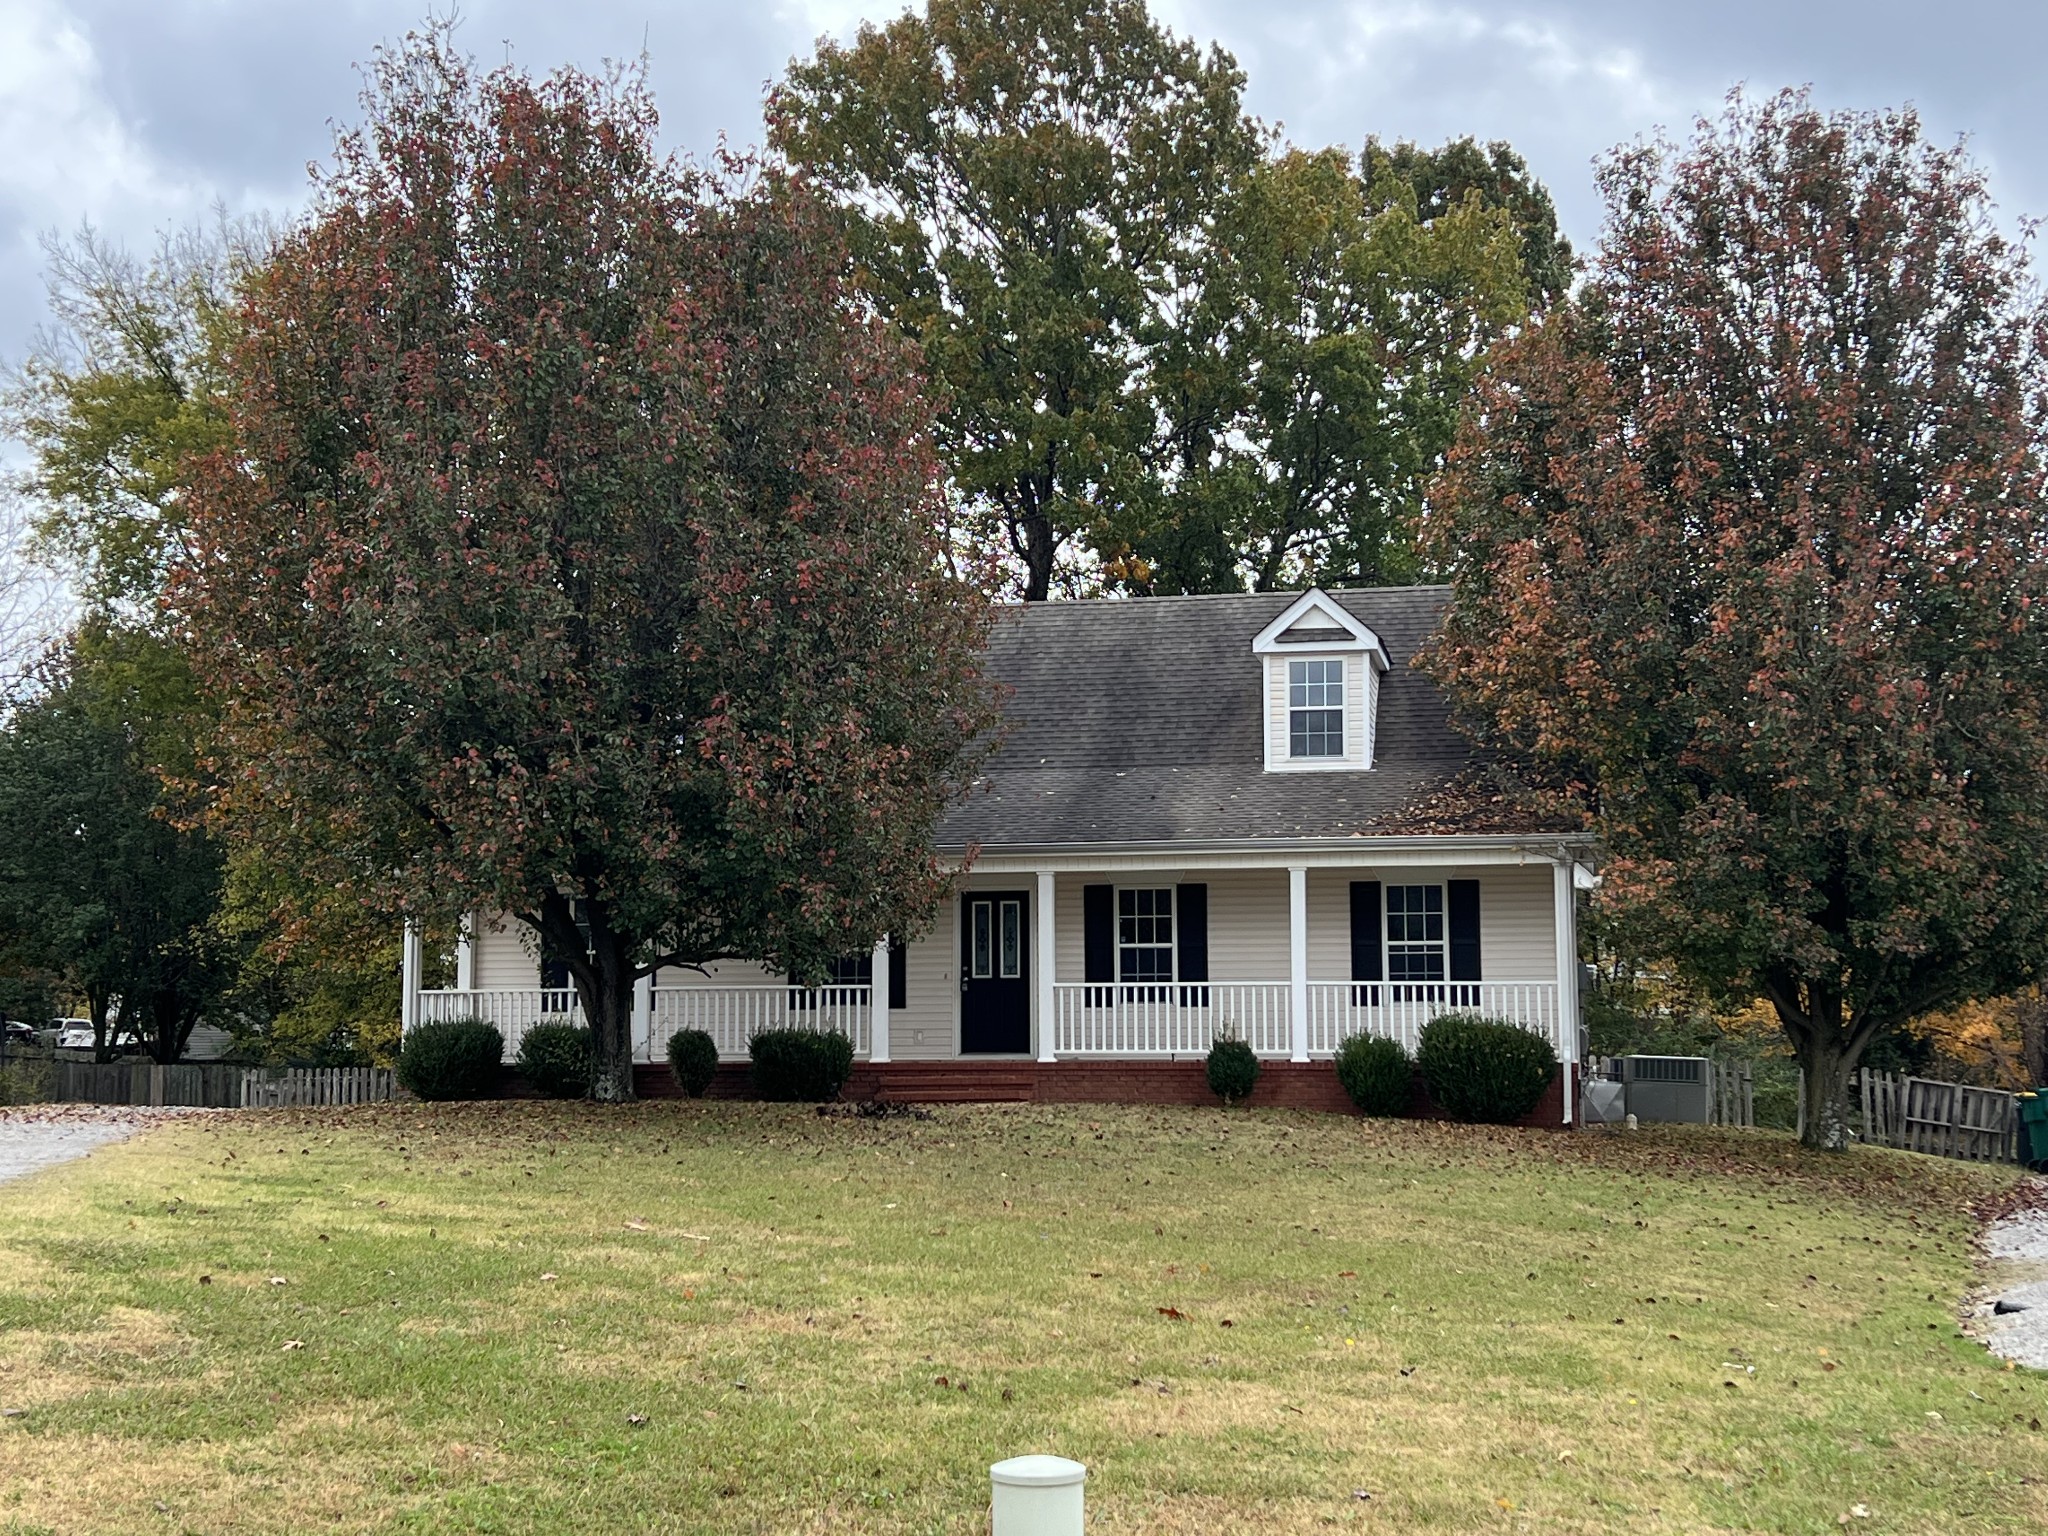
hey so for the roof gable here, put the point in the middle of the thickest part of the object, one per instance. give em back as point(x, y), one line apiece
point(1314, 619)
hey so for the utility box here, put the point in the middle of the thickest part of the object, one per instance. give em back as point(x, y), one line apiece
point(1676, 1090)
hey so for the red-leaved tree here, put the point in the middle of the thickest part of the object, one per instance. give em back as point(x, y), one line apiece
point(1748, 552)
point(575, 555)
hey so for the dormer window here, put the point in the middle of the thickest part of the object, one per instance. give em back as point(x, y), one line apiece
point(1315, 709)
point(1322, 687)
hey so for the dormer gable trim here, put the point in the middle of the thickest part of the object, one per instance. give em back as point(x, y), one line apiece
point(1317, 621)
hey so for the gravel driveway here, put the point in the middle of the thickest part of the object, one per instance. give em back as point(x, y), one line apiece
point(43, 1135)
point(2018, 1250)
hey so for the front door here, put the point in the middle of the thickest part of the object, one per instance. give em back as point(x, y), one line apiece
point(995, 972)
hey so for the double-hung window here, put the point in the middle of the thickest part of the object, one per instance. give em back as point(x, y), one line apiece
point(1315, 709)
point(1416, 948)
point(1144, 934)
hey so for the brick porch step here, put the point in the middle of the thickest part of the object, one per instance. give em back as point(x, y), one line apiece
point(946, 1083)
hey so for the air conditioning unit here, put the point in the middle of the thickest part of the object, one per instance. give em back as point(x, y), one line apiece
point(1674, 1089)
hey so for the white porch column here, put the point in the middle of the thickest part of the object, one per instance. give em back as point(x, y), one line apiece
point(878, 1002)
point(1043, 974)
point(465, 954)
point(1564, 916)
point(1297, 961)
point(410, 964)
point(643, 1019)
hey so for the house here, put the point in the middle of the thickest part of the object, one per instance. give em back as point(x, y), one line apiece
point(1241, 814)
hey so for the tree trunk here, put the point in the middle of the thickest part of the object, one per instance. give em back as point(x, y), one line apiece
point(2034, 1037)
point(601, 966)
point(1827, 1063)
point(1828, 1049)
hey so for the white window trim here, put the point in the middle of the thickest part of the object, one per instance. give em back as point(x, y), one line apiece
point(1343, 706)
point(1443, 945)
point(1171, 946)
point(1361, 684)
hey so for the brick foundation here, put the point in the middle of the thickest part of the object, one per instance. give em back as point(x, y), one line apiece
point(1282, 1085)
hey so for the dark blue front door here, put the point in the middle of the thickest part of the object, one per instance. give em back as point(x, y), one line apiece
point(995, 973)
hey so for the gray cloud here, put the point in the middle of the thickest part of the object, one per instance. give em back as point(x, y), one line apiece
point(139, 113)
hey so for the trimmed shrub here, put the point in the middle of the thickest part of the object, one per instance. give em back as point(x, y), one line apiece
point(693, 1058)
point(451, 1059)
point(1233, 1070)
point(556, 1059)
point(1483, 1070)
point(800, 1066)
point(1375, 1072)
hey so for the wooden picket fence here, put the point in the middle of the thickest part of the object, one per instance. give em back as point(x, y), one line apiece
point(61, 1079)
point(292, 1087)
point(1917, 1114)
point(1734, 1085)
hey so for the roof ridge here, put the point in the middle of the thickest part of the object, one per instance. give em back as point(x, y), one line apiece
point(1140, 599)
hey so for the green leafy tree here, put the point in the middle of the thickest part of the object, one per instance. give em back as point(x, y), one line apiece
point(103, 883)
point(577, 554)
point(1445, 179)
point(1311, 383)
point(114, 399)
point(1749, 555)
point(1029, 179)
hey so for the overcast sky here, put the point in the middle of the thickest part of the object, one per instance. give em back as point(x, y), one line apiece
point(137, 114)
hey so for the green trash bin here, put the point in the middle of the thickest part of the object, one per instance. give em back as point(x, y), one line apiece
point(2033, 1109)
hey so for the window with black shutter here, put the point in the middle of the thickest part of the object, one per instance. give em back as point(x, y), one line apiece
point(1098, 936)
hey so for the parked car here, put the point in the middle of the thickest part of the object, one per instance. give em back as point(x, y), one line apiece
point(14, 1032)
point(73, 1034)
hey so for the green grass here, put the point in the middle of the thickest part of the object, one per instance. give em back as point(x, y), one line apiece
point(1239, 1321)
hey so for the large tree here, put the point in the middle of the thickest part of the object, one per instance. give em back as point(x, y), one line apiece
point(1308, 381)
point(576, 557)
point(1748, 547)
point(1028, 178)
point(1178, 357)
point(105, 882)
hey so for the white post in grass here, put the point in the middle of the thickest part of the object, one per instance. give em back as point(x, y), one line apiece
point(409, 967)
point(1036, 1496)
point(878, 1002)
point(1297, 962)
point(1042, 963)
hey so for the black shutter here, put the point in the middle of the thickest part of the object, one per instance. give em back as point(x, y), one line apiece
point(1098, 932)
point(1461, 903)
point(1191, 931)
point(1191, 941)
point(898, 990)
point(1365, 930)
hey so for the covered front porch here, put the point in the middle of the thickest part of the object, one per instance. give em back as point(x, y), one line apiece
point(1135, 955)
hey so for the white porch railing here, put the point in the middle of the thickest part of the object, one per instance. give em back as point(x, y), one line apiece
point(729, 1015)
point(1089, 1019)
point(513, 1010)
point(1338, 1010)
point(1181, 1018)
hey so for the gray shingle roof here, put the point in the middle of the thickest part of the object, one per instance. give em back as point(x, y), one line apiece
point(1139, 720)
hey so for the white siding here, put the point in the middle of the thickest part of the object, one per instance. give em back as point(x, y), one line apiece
point(504, 954)
point(1516, 939)
point(1358, 692)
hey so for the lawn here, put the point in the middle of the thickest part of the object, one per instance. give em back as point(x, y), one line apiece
point(735, 1318)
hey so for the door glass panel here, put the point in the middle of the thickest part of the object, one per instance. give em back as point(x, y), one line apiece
point(1013, 940)
point(983, 939)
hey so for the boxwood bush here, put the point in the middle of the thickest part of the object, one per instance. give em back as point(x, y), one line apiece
point(1376, 1073)
point(693, 1058)
point(1233, 1070)
point(800, 1066)
point(1484, 1070)
point(556, 1059)
point(451, 1059)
